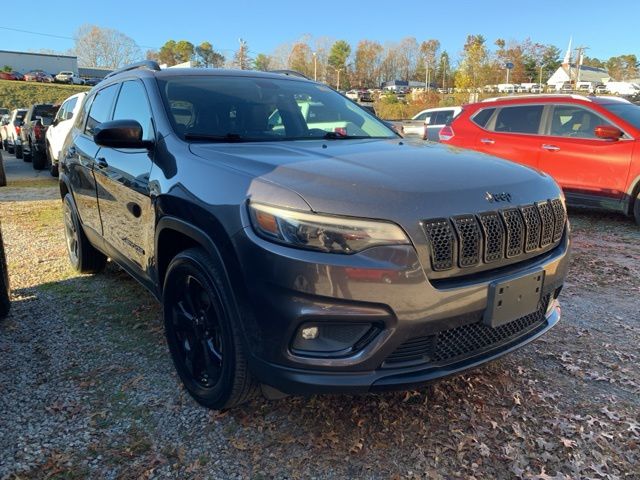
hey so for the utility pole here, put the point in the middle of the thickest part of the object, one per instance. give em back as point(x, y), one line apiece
point(426, 74)
point(579, 57)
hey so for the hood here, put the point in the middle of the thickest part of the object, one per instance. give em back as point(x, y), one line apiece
point(387, 179)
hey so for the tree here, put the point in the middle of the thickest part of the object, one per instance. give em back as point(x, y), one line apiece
point(263, 62)
point(408, 57)
point(338, 56)
point(623, 67)
point(208, 57)
point(241, 59)
point(104, 47)
point(367, 63)
point(300, 59)
point(429, 52)
point(473, 63)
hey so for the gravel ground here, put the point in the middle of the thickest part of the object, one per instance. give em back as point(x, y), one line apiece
point(87, 389)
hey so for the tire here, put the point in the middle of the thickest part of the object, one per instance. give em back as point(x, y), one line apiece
point(3, 174)
point(636, 209)
point(5, 302)
point(202, 327)
point(53, 169)
point(27, 156)
point(18, 150)
point(83, 256)
point(38, 159)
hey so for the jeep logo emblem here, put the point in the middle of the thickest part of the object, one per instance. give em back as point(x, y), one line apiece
point(497, 197)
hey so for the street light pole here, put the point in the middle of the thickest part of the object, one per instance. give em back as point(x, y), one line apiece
point(315, 67)
point(338, 83)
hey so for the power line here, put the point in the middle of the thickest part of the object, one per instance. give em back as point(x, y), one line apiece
point(62, 37)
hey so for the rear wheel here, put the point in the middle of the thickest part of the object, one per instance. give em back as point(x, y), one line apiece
point(5, 302)
point(39, 159)
point(202, 321)
point(83, 256)
point(18, 150)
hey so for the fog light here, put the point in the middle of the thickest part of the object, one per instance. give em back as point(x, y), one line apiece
point(309, 333)
point(331, 339)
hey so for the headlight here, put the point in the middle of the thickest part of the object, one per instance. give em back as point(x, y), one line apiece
point(322, 232)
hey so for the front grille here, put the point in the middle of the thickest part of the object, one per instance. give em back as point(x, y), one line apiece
point(466, 241)
point(464, 341)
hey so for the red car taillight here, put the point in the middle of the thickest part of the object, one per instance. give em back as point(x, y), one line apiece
point(38, 131)
point(446, 133)
point(17, 130)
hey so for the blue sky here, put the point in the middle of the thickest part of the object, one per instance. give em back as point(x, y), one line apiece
point(267, 24)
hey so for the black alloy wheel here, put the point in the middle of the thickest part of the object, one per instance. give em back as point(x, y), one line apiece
point(201, 327)
point(196, 323)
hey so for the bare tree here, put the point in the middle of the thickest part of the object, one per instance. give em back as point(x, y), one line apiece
point(104, 47)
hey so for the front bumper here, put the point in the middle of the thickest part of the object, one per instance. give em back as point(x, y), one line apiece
point(387, 287)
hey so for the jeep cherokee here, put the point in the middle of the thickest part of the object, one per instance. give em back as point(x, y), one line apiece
point(296, 242)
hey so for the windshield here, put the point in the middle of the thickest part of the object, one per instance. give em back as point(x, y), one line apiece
point(628, 112)
point(232, 109)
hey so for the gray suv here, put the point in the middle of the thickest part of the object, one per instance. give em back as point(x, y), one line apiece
point(297, 243)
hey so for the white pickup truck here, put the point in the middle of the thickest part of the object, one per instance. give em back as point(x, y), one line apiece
point(67, 76)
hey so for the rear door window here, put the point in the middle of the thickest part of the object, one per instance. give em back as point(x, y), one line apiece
point(482, 117)
point(442, 117)
point(520, 119)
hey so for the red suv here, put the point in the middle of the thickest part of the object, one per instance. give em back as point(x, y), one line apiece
point(589, 145)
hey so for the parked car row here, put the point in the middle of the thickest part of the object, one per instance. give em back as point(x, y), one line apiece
point(65, 76)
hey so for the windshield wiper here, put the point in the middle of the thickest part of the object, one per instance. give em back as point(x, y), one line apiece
point(340, 136)
point(229, 137)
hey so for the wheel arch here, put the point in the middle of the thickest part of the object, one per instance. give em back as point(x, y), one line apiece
point(174, 235)
point(633, 193)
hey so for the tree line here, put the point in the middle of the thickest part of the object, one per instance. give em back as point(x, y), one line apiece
point(369, 64)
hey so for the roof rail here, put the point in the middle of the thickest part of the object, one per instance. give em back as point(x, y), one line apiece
point(538, 95)
point(291, 73)
point(146, 64)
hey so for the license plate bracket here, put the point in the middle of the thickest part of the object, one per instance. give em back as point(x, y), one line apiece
point(515, 298)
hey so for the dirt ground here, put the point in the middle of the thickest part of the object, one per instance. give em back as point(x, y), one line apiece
point(87, 389)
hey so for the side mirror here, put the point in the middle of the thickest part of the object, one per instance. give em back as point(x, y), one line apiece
point(120, 134)
point(608, 132)
point(55, 121)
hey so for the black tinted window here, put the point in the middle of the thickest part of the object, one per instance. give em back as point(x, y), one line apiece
point(132, 104)
point(442, 117)
point(101, 108)
point(628, 112)
point(522, 119)
point(482, 117)
point(46, 111)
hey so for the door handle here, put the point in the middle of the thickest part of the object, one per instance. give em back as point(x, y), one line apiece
point(101, 162)
point(550, 148)
point(487, 141)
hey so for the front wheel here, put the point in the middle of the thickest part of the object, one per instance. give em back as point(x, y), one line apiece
point(18, 150)
point(201, 320)
point(636, 209)
point(83, 256)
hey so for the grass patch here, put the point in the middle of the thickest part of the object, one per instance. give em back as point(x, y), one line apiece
point(23, 94)
point(32, 183)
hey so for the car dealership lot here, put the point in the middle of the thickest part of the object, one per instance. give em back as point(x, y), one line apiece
point(87, 387)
